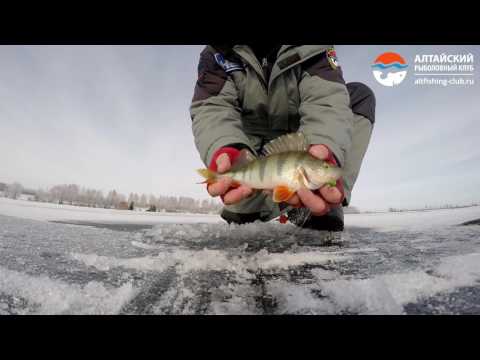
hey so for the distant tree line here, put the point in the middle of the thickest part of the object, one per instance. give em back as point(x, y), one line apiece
point(73, 194)
point(12, 191)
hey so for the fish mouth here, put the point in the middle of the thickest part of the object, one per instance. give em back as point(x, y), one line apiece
point(314, 184)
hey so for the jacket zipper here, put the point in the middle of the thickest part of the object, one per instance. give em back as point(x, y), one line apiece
point(265, 70)
point(264, 63)
point(263, 81)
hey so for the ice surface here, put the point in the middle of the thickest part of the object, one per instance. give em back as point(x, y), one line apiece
point(392, 263)
point(46, 296)
point(387, 294)
point(208, 260)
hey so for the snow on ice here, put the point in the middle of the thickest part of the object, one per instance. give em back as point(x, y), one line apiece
point(388, 263)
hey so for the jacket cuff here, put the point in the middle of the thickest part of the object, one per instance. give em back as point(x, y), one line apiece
point(232, 153)
point(223, 142)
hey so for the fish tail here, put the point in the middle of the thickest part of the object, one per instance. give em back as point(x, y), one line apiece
point(209, 175)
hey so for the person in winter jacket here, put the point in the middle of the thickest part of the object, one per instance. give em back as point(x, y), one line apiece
point(248, 95)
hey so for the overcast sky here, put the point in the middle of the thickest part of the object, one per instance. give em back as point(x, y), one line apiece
point(117, 117)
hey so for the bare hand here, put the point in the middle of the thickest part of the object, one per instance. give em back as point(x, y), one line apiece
point(223, 187)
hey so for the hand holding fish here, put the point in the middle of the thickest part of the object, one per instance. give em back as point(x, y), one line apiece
point(224, 186)
point(320, 201)
point(287, 167)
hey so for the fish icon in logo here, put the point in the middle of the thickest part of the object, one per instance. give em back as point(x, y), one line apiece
point(389, 69)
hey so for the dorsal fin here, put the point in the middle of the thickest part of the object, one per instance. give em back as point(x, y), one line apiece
point(243, 159)
point(286, 143)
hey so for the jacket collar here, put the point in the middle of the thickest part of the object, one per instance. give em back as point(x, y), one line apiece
point(287, 57)
point(292, 55)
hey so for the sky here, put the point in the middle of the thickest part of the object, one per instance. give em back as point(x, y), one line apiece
point(117, 117)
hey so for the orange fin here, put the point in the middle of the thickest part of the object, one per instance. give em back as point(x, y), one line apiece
point(282, 193)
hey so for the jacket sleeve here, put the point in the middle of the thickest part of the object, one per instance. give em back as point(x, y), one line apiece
point(325, 114)
point(215, 109)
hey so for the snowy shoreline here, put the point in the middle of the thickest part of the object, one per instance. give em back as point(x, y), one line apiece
point(54, 212)
point(380, 221)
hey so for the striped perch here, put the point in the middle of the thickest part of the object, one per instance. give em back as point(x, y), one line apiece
point(284, 167)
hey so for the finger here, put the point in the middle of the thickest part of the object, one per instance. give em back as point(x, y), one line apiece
point(331, 194)
point(235, 195)
point(315, 203)
point(319, 151)
point(219, 187)
point(223, 163)
point(294, 201)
